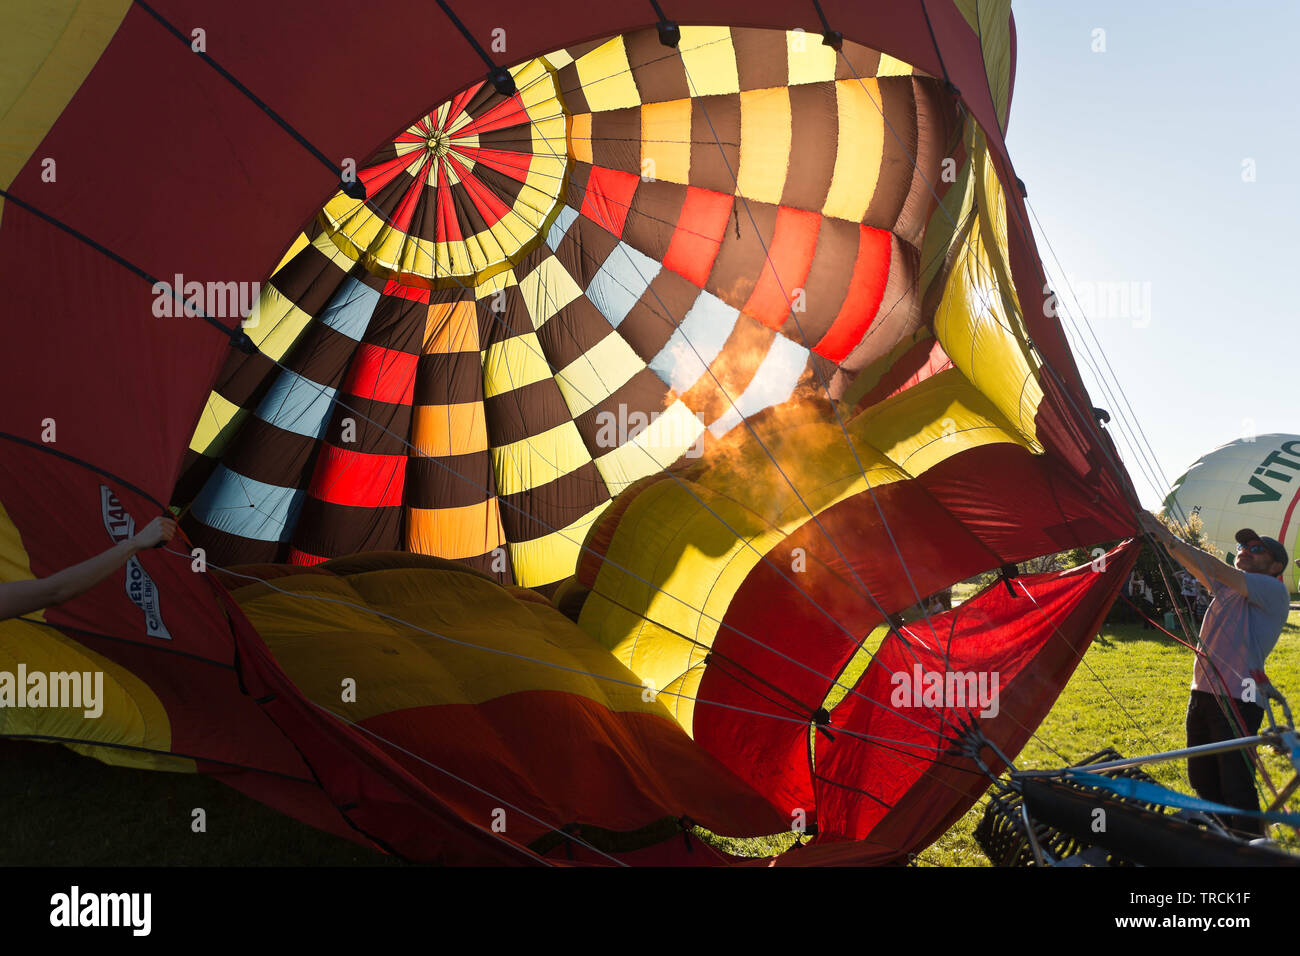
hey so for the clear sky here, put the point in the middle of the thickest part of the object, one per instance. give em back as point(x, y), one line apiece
point(1136, 160)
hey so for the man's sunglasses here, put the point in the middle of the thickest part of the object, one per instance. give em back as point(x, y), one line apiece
point(1253, 548)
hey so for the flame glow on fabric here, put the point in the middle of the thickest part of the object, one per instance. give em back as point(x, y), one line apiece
point(724, 347)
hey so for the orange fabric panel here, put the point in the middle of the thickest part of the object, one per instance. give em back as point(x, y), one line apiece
point(464, 532)
point(698, 235)
point(440, 431)
point(866, 288)
point(789, 258)
point(451, 327)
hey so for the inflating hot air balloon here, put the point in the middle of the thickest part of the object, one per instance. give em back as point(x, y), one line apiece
point(549, 445)
point(1252, 482)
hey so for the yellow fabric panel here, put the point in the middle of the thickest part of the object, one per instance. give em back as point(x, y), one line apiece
point(552, 557)
point(597, 373)
point(660, 444)
point(764, 144)
point(397, 667)
point(978, 320)
point(559, 59)
point(299, 244)
point(606, 77)
point(709, 58)
point(810, 60)
point(669, 539)
point(535, 460)
point(495, 283)
point(46, 51)
point(666, 140)
point(15, 565)
point(332, 251)
point(132, 715)
point(275, 323)
point(513, 363)
point(455, 533)
point(547, 289)
point(451, 327)
point(440, 431)
point(890, 66)
point(934, 420)
point(580, 137)
point(860, 149)
point(220, 420)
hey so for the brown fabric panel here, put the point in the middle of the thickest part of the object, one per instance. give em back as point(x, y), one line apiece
point(731, 372)
point(936, 125)
point(656, 315)
point(616, 139)
point(331, 530)
point(584, 249)
point(896, 163)
point(484, 562)
point(575, 101)
point(656, 69)
point(569, 334)
point(424, 218)
point(814, 132)
point(548, 508)
point(380, 428)
point(504, 187)
point(449, 378)
point(762, 58)
point(451, 482)
point(510, 322)
point(856, 61)
point(309, 279)
point(484, 98)
point(532, 259)
point(470, 217)
point(511, 139)
point(398, 324)
point(265, 453)
point(525, 411)
point(225, 549)
point(828, 281)
point(368, 278)
point(246, 378)
point(321, 354)
point(389, 197)
point(644, 392)
point(195, 471)
point(715, 142)
point(740, 260)
point(900, 309)
point(384, 154)
point(652, 218)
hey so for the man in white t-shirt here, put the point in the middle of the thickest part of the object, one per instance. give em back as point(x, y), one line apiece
point(1240, 630)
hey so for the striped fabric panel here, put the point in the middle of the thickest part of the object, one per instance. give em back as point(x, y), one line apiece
point(453, 511)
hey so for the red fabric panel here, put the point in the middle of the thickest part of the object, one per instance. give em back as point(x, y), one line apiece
point(911, 795)
point(401, 291)
point(509, 112)
point(566, 759)
point(608, 197)
point(382, 375)
point(789, 257)
point(347, 477)
point(489, 204)
point(303, 559)
point(413, 198)
point(448, 224)
point(698, 235)
point(866, 288)
point(514, 165)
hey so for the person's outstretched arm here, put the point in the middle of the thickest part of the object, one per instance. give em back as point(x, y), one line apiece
point(22, 597)
point(1203, 566)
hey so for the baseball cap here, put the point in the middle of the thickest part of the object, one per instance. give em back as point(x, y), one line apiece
point(1272, 545)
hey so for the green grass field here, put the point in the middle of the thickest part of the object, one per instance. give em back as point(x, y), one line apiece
point(61, 809)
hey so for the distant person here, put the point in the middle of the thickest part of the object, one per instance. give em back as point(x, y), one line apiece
point(23, 597)
point(1241, 628)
